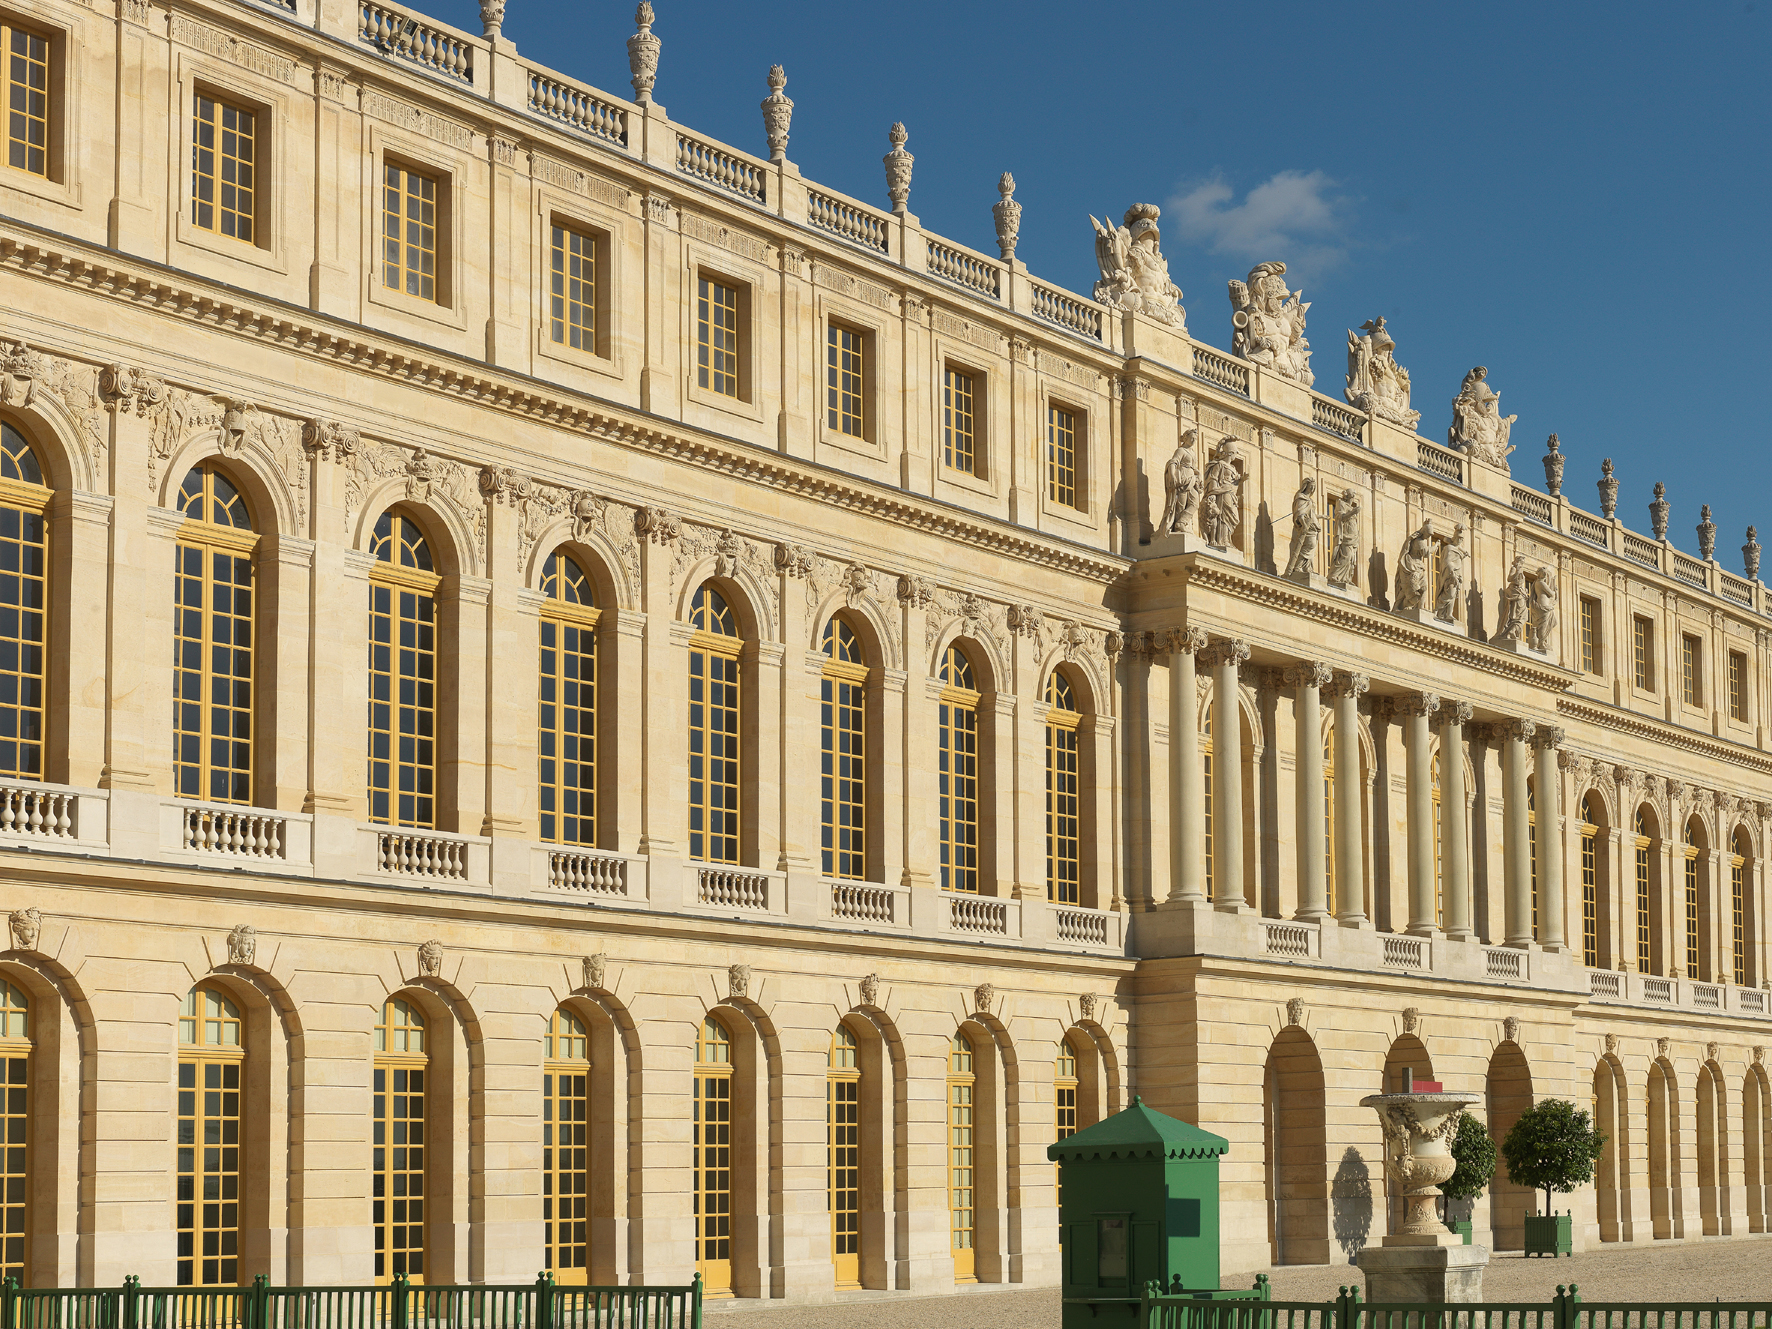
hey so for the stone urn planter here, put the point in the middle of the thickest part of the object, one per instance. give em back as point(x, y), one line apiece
point(1421, 1261)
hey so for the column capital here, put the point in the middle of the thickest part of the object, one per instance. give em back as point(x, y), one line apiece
point(1547, 736)
point(1518, 731)
point(1347, 685)
point(1416, 703)
point(1224, 651)
point(1311, 674)
point(1455, 712)
point(1183, 641)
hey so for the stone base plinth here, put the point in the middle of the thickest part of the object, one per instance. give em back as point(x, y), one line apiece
point(1428, 619)
point(1436, 1272)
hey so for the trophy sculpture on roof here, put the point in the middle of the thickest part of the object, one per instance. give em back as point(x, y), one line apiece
point(1134, 273)
point(1267, 324)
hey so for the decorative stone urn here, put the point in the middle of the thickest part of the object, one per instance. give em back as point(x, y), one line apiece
point(1422, 1261)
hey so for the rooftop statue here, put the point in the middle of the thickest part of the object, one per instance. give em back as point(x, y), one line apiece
point(1478, 427)
point(1134, 273)
point(1269, 324)
point(1376, 383)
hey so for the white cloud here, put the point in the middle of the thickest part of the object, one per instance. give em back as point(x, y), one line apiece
point(1295, 216)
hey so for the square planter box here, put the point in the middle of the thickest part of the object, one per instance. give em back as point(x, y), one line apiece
point(1552, 1234)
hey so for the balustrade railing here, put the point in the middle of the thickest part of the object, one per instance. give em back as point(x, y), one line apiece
point(964, 269)
point(1750, 1000)
point(848, 221)
point(578, 108)
point(1401, 952)
point(1337, 419)
point(1646, 552)
point(1707, 996)
point(427, 45)
point(236, 832)
point(1082, 927)
point(977, 914)
point(414, 854)
point(1734, 588)
point(49, 814)
point(1443, 462)
point(1221, 369)
point(1067, 311)
point(722, 168)
point(1605, 983)
point(1688, 570)
point(1500, 962)
point(1657, 989)
point(865, 902)
point(592, 874)
point(1591, 529)
point(1279, 938)
point(1535, 506)
point(726, 888)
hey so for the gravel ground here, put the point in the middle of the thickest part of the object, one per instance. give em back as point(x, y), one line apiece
point(1738, 1270)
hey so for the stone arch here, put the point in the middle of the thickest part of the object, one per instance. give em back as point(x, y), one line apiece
point(750, 599)
point(1612, 1176)
point(1509, 1093)
point(756, 1098)
point(1113, 1087)
point(1295, 1150)
point(1711, 1142)
point(882, 1138)
point(1664, 1149)
point(608, 578)
point(55, 435)
point(63, 1050)
point(870, 621)
point(251, 469)
point(1084, 676)
point(1407, 1052)
point(454, 547)
point(989, 662)
point(1756, 1143)
point(996, 1170)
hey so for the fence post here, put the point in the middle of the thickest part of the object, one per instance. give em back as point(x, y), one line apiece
point(258, 1309)
point(397, 1313)
point(544, 1300)
point(130, 1311)
point(9, 1304)
point(695, 1303)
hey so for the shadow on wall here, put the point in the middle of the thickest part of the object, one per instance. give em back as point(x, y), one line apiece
point(1378, 580)
point(1264, 541)
point(1473, 613)
point(1350, 1200)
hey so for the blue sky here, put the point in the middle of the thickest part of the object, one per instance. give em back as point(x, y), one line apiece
point(1577, 196)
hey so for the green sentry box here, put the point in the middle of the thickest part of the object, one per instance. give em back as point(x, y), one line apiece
point(1140, 1205)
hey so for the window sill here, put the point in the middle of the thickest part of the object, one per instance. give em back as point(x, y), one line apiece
point(40, 187)
point(413, 306)
point(697, 395)
point(271, 259)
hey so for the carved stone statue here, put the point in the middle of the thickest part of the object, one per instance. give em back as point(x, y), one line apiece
point(870, 990)
point(242, 944)
point(1544, 611)
point(1304, 529)
point(1414, 565)
point(1478, 427)
point(27, 926)
point(738, 982)
point(1608, 486)
point(1453, 559)
point(1221, 505)
point(1516, 603)
point(1134, 273)
point(1376, 383)
point(1344, 559)
point(1181, 488)
point(1268, 323)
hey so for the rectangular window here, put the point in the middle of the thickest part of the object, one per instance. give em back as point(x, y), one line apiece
point(717, 337)
point(212, 673)
point(1061, 455)
point(713, 757)
point(567, 736)
point(1691, 670)
point(958, 781)
point(224, 160)
point(397, 1178)
point(959, 430)
point(1590, 904)
point(1590, 635)
point(1738, 686)
point(572, 297)
point(1738, 917)
point(1063, 803)
point(1643, 653)
point(1692, 949)
point(27, 99)
point(409, 232)
point(843, 775)
point(402, 707)
point(208, 1208)
point(1644, 914)
point(565, 1172)
point(845, 376)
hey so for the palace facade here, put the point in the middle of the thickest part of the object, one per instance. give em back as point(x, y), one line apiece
point(840, 712)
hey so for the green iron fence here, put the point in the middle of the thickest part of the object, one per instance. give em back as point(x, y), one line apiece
point(1175, 1308)
point(398, 1305)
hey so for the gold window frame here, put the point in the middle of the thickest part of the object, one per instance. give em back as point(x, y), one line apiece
point(389, 1063)
point(35, 500)
point(210, 1217)
point(567, 1069)
point(962, 1158)
point(843, 1155)
point(714, 1085)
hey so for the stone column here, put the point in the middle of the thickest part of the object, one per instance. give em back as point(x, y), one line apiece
point(1550, 838)
point(1187, 812)
point(1419, 769)
point(1516, 844)
point(1455, 875)
point(1222, 657)
point(1306, 680)
point(1350, 860)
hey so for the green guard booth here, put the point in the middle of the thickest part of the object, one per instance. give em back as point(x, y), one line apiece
point(1138, 1203)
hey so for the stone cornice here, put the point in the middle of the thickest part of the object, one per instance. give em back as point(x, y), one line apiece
point(1657, 731)
point(46, 256)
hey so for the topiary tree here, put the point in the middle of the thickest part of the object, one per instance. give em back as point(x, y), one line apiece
point(1474, 1152)
point(1552, 1147)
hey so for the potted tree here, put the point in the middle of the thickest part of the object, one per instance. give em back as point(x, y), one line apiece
point(1552, 1147)
point(1474, 1153)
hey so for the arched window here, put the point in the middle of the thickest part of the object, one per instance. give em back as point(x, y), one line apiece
point(566, 743)
point(1689, 851)
point(958, 763)
point(213, 640)
point(15, 1118)
point(1064, 1102)
point(402, 675)
point(398, 1183)
point(714, 699)
point(1591, 816)
point(713, 1156)
point(843, 1154)
point(962, 1160)
point(565, 1148)
point(843, 753)
point(24, 603)
point(1738, 906)
point(212, 1051)
point(1206, 792)
point(1645, 908)
point(1064, 835)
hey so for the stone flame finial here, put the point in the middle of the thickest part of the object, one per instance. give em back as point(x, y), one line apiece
point(898, 168)
point(643, 48)
point(778, 114)
point(1006, 212)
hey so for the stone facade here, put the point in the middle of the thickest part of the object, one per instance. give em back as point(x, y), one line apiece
point(1255, 913)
